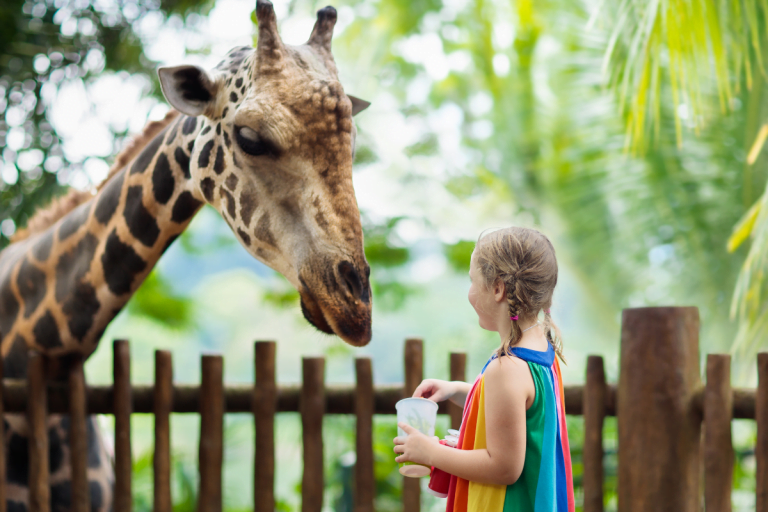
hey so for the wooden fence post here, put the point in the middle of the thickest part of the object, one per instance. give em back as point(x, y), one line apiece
point(211, 454)
point(594, 413)
point(718, 445)
point(37, 411)
point(163, 405)
point(3, 475)
point(458, 372)
point(312, 411)
point(659, 429)
point(414, 372)
point(78, 437)
point(123, 407)
point(761, 448)
point(264, 407)
point(365, 484)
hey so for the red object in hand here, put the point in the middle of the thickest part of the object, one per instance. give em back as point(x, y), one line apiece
point(439, 480)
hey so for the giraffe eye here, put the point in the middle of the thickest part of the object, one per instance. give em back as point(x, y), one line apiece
point(250, 142)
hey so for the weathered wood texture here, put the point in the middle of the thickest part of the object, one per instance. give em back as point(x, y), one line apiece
point(718, 445)
point(365, 484)
point(39, 472)
point(122, 410)
point(761, 448)
point(659, 432)
point(238, 398)
point(211, 454)
point(78, 437)
point(458, 363)
point(264, 393)
point(414, 373)
point(312, 411)
point(595, 392)
point(163, 404)
point(3, 504)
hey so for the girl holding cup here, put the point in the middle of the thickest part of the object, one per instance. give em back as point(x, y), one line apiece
point(513, 449)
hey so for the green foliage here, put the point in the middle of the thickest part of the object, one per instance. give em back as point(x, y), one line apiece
point(459, 254)
point(44, 46)
point(155, 299)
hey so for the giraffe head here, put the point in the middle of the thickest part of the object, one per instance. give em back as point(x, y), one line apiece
point(273, 154)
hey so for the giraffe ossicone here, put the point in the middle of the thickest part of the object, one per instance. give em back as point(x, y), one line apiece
point(267, 139)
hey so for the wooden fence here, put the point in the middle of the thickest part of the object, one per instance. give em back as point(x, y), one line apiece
point(662, 404)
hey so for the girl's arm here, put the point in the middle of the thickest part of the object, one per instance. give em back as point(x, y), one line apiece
point(438, 390)
point(508, 390)
point(459, 397)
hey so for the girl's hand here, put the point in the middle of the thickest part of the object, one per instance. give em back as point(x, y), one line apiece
point(435, 389)
point(416, 447)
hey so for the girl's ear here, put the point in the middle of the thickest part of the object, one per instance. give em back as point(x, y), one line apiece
point(499, 290)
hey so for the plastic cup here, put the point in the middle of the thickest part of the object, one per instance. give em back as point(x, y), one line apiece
point(421, 414)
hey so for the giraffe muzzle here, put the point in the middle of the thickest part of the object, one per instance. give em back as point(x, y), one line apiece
point(338, 301)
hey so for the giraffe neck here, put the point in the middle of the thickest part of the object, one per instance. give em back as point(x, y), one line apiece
point(60, 289)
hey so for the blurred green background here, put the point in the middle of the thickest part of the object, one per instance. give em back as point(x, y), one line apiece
point(630, 132)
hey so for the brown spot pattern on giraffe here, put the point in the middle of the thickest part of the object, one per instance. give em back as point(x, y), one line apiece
point(47, 332)
point(262, 231)
point(248, 204)
point(121, 264)
point(231, 181)
point(109, 198)
point(31, 284)
point(231, 206)
point(139, 220)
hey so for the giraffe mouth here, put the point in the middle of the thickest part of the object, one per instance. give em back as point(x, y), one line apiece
point(351, 323)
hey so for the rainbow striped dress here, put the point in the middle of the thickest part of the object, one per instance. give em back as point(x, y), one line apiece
point(546, 483)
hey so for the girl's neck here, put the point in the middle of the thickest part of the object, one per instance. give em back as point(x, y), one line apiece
point(533, 339)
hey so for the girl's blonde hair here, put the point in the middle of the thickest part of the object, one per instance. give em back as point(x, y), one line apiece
point(524, 260)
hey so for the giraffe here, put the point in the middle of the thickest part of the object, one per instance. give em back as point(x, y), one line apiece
point(266, 138)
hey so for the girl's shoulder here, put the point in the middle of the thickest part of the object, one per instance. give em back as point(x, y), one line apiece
point(509, 368)
point(509, 377)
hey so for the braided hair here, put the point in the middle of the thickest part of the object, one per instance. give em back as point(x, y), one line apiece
point(524, 260)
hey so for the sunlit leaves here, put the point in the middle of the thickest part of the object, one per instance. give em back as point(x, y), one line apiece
point(459, 254)
point(689, 43)
point(155, 299)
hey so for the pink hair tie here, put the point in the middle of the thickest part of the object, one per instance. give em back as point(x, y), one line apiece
point(546, 311)
point(513, 318)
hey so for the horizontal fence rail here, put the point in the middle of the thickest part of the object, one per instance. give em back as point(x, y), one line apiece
point(715, 403)
point(340, 399)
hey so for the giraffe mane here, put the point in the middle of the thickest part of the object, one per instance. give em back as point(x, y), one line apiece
point(47, 216)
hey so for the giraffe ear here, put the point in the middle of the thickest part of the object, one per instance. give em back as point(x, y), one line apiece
point(358, 105)
point(189, 89)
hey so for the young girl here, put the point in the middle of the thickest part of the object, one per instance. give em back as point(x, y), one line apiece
point(513, 445)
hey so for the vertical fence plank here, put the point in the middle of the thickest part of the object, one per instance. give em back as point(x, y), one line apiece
point(458, 372)
point(122, 410)
point(264, 408)
point(37, 406)
point(659, 436)
point(163, 403)
point(414, 371)
point(761, 448)
point(365, 485)
point(312, 410)
point(718, 446)
point(3, 504)
point(211, 454)
point(594, 414)
point(78, 437)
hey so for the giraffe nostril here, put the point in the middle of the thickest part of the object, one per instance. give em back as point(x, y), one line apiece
point(351, 279)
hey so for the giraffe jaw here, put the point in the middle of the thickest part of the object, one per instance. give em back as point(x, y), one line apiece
point(354, 327)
